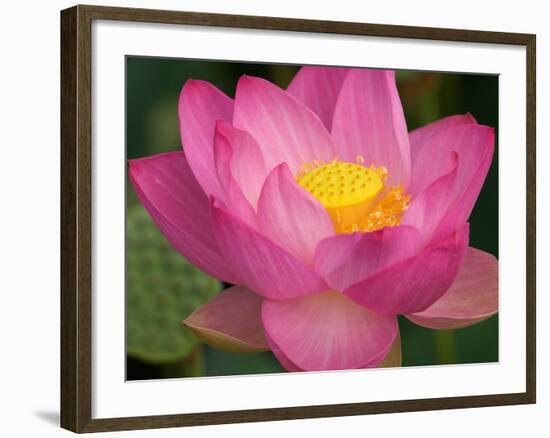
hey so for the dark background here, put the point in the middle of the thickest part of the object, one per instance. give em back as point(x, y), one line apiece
point(162, 289)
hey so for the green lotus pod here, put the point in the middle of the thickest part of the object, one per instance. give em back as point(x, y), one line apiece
point(162, 288)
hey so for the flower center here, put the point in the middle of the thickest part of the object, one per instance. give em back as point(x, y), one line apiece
point(354, 195)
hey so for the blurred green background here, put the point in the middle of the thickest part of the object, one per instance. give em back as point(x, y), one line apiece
point(162, 288)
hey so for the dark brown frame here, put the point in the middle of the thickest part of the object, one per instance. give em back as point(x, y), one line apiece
point(76, 237)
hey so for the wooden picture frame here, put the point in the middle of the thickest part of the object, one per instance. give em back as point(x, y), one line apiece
point(76, 217)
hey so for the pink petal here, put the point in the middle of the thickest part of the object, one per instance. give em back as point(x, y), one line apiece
point(473, 296)
point(286, 130)
point(318, 88)
point(423, 135)
point(328, 332)
point(291, 217)
point(468, 186)
point(347, 259)
point(416, 283)
point(168, 190)
point(391, 359)
point(247, 163)
point(369, 121)
point(231, 321)
point(200, 105)
point(261, 264)
point(285, 362)
point(474, 145)
point(233, 197)
point(428, 209)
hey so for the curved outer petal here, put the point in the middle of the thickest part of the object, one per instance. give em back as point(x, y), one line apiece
point(472, 298)
point(414, 284)
point(200, 105)
point(391, 359)
point(233, 197)
point(247, 162)
point(474, 145)
point(346, 259)
point(423, 135)
point(285, 362)
point(168, 190)
point(468, 189)
point(428, 209)
point(286, 130)
point(231, 321)
point(328, 332)
point(290, 216)
point(369, 121)
point(262, 265)
point(318, 88)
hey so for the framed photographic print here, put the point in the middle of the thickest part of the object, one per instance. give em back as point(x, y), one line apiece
point(267, 218)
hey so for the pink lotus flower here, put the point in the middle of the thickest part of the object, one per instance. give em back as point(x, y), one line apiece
point(327, 216)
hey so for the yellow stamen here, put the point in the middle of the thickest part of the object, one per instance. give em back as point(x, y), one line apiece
point(354, 195)
point(346, 190)
point(388, 212)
